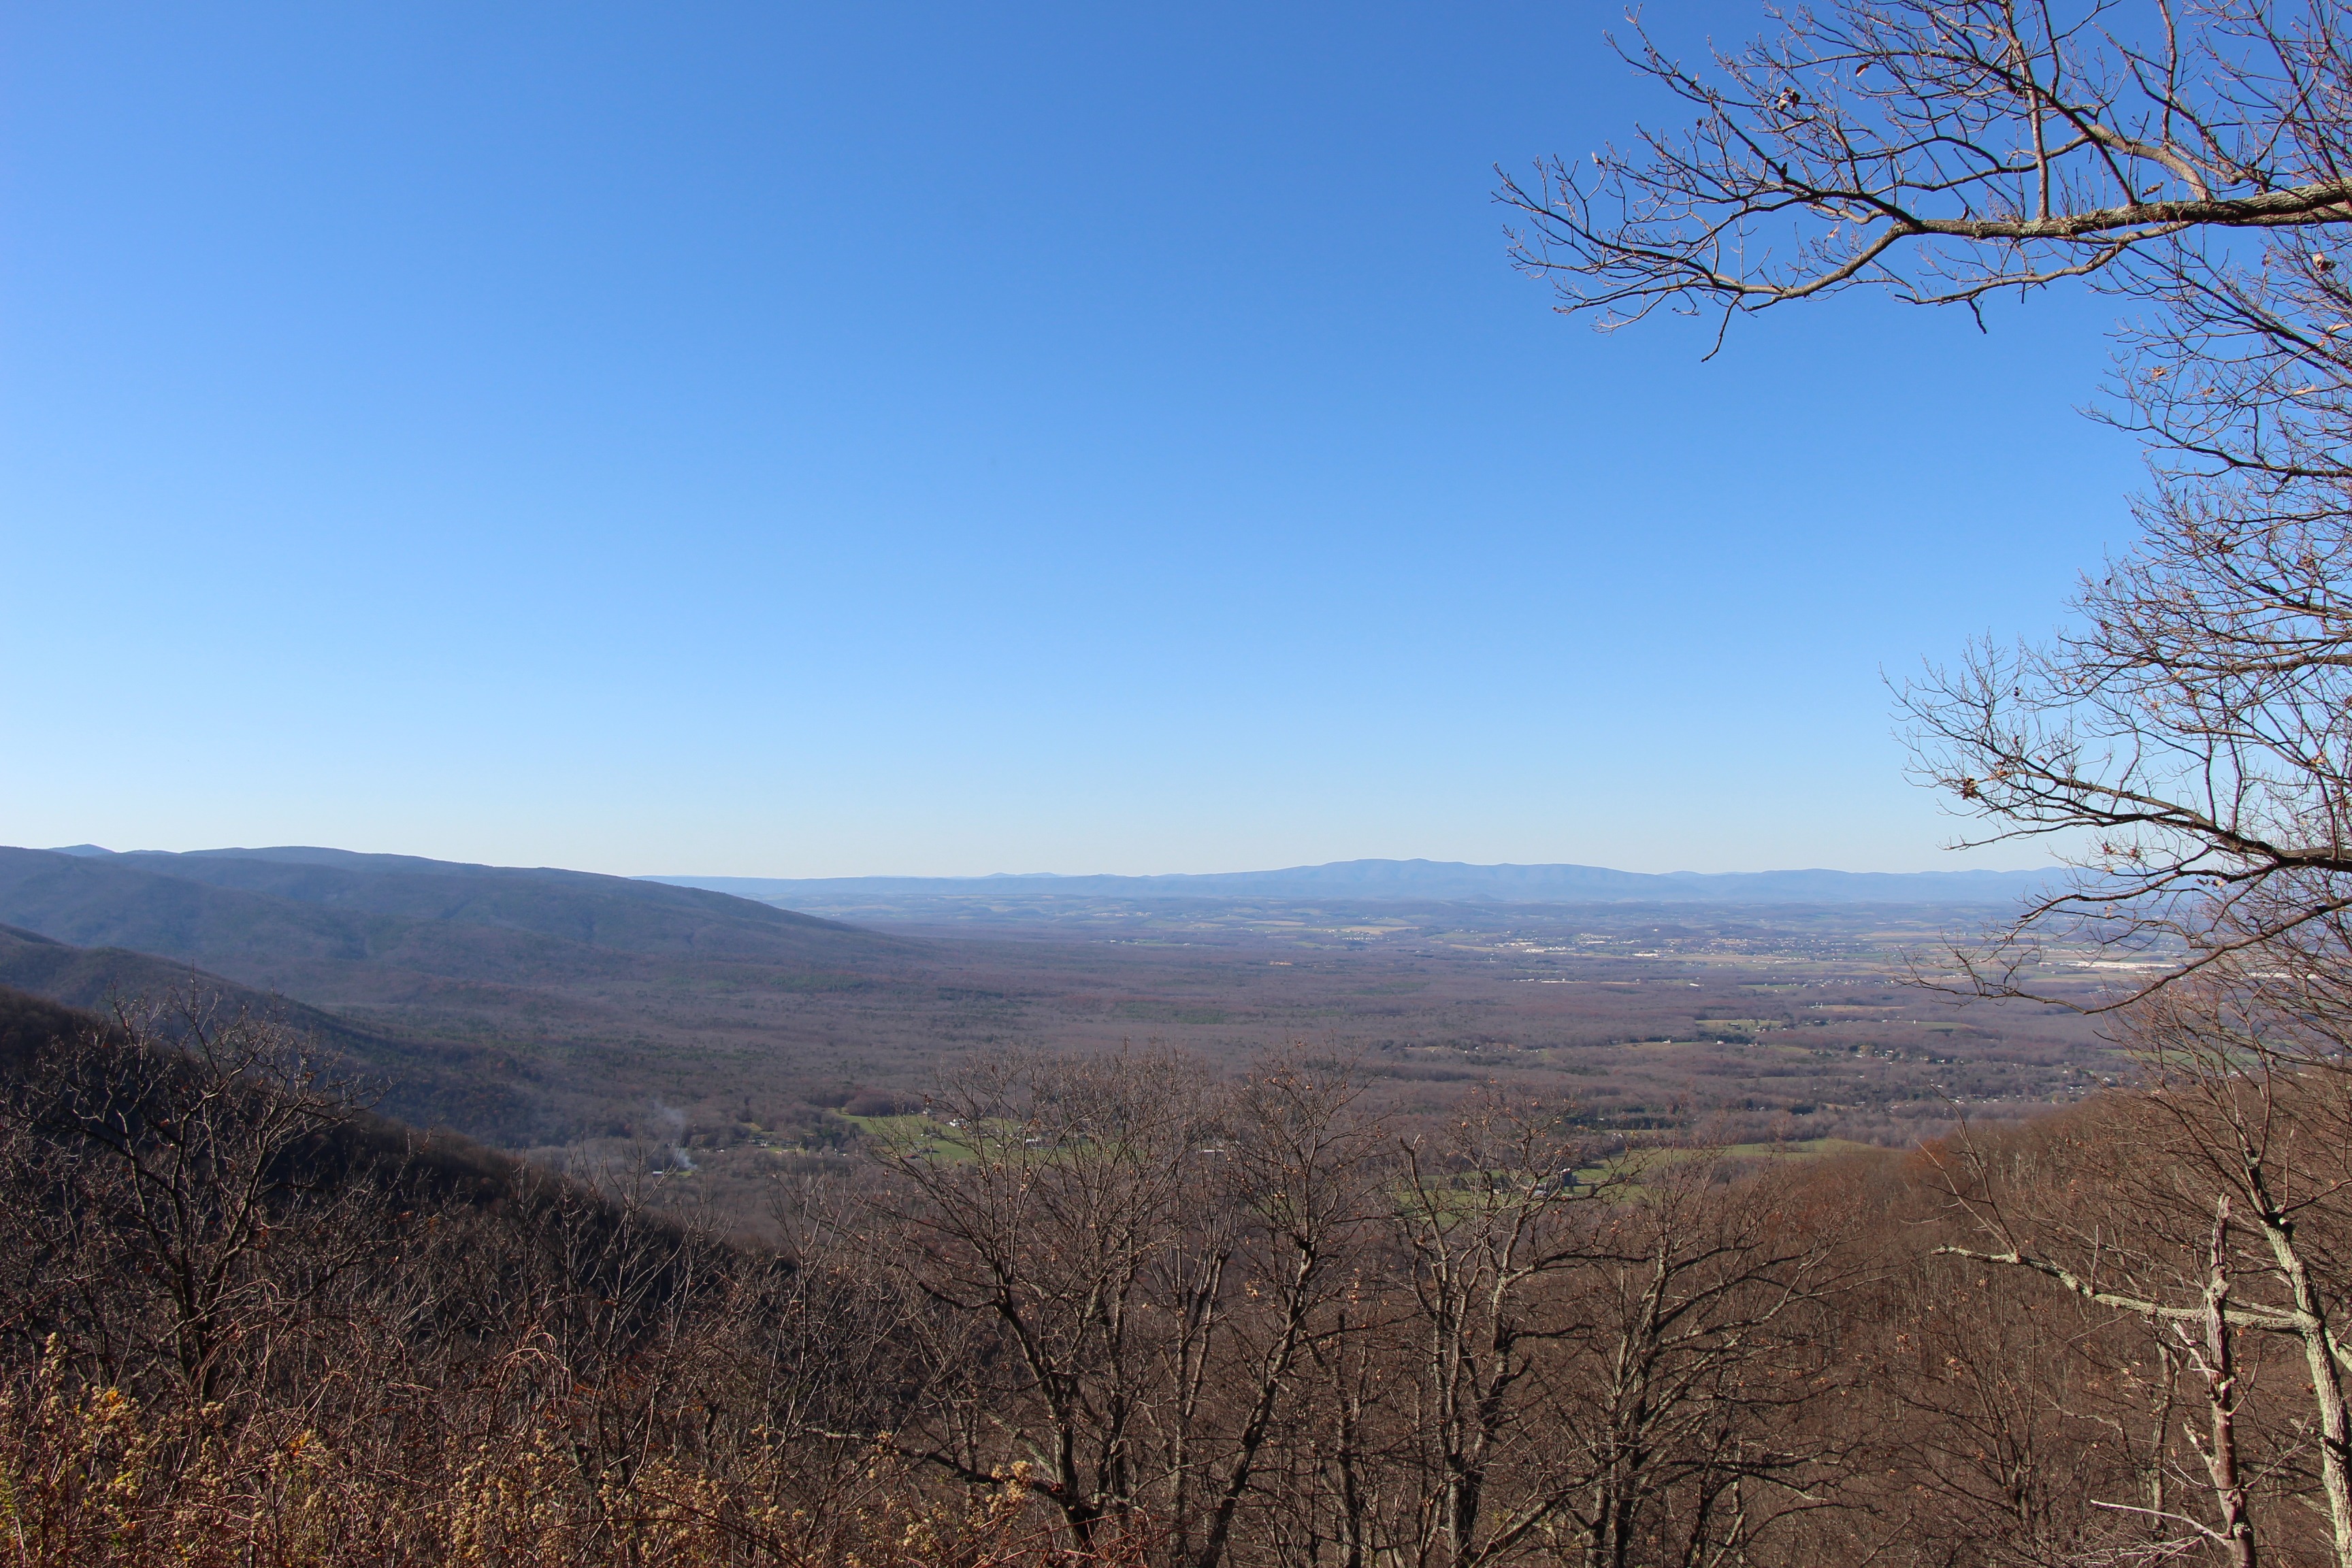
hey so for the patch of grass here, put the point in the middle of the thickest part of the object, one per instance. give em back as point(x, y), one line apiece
point(1800, 1149)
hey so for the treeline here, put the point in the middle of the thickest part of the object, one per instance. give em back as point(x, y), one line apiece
point(1127, 1310)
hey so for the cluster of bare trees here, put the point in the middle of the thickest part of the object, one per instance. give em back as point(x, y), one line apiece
point(1254, 1323)
point(1095, 1310)
point(2187, 742)
point(1121, 1309)
point(1129, 1310)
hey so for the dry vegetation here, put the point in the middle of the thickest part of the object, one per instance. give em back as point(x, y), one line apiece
point(1130, 1309)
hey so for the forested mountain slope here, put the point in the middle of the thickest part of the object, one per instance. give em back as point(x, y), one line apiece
point(481, 1088)
point(299, 920)
point(522, 1007)
point(1778, 1360)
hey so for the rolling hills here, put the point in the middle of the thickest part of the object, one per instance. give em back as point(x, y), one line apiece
point(511, 1004)
point(596, 1018)
point(234, 910)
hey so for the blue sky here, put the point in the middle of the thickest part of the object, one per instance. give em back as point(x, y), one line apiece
point(776, 440)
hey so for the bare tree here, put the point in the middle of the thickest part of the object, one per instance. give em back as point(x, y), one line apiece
point(2185, 749)
point(1999, 1415)
point(2229, 1221)
point(2191, 735)
point(1155, 1257)
point(1310, 1177)
point(1946, 152)
point(1611, 1357)
point(1490, 1222)
point(192, 1174)
point(2190, 740)
point(1685, 1438)
point(1077, 1208)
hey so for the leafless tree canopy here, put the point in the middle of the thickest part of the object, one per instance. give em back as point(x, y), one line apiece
point(1115, 1311)
point(1949, 151)
point(2183, 744)
point(2187, 735)
point(1128, 1312)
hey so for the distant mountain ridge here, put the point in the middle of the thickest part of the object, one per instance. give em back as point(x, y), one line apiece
point(304, 919)
point(498, 1000)
point(1424, 879)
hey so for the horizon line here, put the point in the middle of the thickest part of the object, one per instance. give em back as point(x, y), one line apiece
point(1359, 860)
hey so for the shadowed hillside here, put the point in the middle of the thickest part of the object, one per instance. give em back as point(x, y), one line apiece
point(518, 1005)
point(40, 1037)
point(482, 1088)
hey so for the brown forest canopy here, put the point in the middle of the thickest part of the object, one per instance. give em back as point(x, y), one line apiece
point(1112, 1309)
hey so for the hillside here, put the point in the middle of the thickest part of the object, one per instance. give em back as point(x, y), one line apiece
point(526, 1007)
point(40, 1035)
point(479, 1087)
point(322, 921)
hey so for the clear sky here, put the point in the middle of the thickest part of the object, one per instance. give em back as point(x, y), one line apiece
point(819, 440)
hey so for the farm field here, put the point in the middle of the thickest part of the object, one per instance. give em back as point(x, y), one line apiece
point(1774, 1030)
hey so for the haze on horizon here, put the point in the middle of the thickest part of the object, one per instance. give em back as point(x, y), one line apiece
point(911, 440)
